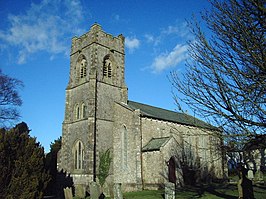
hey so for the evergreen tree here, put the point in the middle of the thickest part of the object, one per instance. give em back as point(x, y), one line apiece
point(104, 167)
point(51, 166)
point(22, 172)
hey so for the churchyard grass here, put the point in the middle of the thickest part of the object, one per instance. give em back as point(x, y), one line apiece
point(214, 191)
point(147, 194)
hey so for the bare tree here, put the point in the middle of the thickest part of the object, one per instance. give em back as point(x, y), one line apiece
point(9, 99)
point(225, 79)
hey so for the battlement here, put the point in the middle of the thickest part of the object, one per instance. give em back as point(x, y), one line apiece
point(98, 36)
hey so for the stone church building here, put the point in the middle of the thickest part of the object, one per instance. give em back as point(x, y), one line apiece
point(149, 145)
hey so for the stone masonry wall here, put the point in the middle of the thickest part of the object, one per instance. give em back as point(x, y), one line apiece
point(153, 170)
point(127, 148)
point(91, 48)
point(200, 142)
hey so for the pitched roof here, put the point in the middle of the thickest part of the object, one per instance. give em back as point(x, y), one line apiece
point(155, 144)
point(167, 115)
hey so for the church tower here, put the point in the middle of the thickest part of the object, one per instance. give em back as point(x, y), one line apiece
point(96, 81)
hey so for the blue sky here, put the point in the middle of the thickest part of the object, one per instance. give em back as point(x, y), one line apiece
point(35, 39)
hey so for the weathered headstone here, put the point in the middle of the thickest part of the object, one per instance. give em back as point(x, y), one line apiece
point(68, 193)
point(239, 188)
point(80, 191)
point(250, 174)
point(111, 190)
point(258, 176)
point(107, 188)
point(117, 191)
point(169, 192)
point(95, 191)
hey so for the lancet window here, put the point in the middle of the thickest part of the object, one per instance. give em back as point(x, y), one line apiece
point(78, 155)
point(83, 68)
point(77, 112)
point(83, 110)
point(107, 67)
point(124, 143)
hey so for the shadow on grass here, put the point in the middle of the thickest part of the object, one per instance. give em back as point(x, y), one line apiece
point(213, 191)
point(220, 191)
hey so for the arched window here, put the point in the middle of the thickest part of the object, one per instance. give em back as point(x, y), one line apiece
point(77, 112)
point(78, 155)
point(83, 110)
point(104, 70)
point(110, 69)
point(124, 143)
point(107, 66)
point(83, 68)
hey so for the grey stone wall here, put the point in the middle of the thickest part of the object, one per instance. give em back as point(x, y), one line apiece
point(92, 47)
point(201, 142)
point(149, 169)
point(153, 170)
point(127, 172)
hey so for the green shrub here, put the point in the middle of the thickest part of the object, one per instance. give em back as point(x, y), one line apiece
point(105, 162)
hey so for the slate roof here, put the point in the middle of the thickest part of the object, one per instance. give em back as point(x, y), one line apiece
point(155, 144)
point(167, 115)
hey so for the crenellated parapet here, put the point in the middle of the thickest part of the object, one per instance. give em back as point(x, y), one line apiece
point(97, 35)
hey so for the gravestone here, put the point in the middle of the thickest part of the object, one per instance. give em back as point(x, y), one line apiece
point(117, 191)
point(239, 188)
point(68, 193)
point(258, 176)
point(169, 192)
point(250, 174)
point(80, 191)
point(95, 191)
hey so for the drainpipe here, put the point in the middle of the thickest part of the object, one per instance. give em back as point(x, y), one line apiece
point(95, 131)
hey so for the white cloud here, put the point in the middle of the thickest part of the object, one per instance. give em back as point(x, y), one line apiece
point(179, 30)
point(167, 60)
point(171, 30)
point(150, 38)
point(177, 34)
point(132, 43)
point(44, 27)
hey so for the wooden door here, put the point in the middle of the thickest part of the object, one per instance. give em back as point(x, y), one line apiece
point(171, 170)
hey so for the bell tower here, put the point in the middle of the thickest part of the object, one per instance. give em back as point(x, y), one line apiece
point(96, 81)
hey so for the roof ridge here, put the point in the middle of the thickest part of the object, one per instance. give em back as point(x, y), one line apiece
point(155, 107)
point(168, 115)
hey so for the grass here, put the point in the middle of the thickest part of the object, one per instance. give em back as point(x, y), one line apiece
point(147, 194)
point(214, 191)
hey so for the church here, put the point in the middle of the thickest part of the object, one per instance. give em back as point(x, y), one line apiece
point(149, 145)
